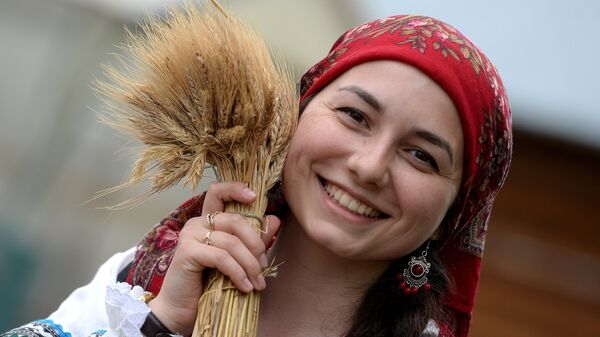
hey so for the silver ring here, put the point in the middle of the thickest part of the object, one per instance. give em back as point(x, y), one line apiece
point(207, 240)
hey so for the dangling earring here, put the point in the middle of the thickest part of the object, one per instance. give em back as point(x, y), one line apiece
point(415, 275)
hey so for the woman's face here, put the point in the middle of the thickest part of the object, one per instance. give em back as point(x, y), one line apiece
point(376, 162)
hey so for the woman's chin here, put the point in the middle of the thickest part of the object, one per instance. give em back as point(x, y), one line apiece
point(336, 241)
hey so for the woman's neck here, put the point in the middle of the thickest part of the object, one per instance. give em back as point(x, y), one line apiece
point(315, 292)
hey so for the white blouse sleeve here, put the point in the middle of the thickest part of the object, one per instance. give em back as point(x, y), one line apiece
point(84, 311)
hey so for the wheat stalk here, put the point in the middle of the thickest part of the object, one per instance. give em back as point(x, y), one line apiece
point(198, 87)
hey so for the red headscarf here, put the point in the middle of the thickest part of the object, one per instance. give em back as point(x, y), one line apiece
point(473, 84)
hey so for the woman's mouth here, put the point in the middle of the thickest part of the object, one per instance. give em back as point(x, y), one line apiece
point(349, 202)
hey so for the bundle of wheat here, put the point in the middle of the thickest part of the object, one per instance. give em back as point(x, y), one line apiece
point(198, 87)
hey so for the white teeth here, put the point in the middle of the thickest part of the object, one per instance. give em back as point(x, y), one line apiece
point(347, 201)
point(344, 200)
point(353, 205)
point(336, 193)
point(361, 209)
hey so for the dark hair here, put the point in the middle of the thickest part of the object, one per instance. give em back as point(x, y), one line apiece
point(305, 102)
point(385, 311)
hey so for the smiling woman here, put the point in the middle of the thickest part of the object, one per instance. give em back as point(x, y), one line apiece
point(403, 142)
point(360, 144)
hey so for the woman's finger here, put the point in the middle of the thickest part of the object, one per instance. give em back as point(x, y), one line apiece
point(233, 233)
point(241, 254)
point(202, 256)
point(220, 193)
point(242, 227)
point(232, 223)
point(271, 225)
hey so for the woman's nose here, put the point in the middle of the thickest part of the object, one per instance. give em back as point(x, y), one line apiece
point(369, 164)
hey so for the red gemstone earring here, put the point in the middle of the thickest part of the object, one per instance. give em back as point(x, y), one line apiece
point(415, 275)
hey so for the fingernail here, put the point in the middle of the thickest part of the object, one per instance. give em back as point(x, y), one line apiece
point(248, 285)
point(263, 261)
point(249, 193)
point(261, 282)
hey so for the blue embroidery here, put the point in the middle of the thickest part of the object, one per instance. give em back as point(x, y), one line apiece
point(40, 328)
point(57, 327)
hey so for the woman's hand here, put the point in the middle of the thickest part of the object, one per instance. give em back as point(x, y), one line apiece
point(235, 250)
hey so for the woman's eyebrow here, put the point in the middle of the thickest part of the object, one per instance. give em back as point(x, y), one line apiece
point(437, 141)
point(368, 98)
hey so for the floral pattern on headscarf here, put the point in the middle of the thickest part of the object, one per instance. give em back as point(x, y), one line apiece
point(155, 252)
point(417, 37)
point(472, 82)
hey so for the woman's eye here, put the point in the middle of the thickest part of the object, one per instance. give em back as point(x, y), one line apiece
point(354, 113)
point(425, 157)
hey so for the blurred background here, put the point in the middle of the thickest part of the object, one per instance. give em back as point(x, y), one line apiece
point(541, 274)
